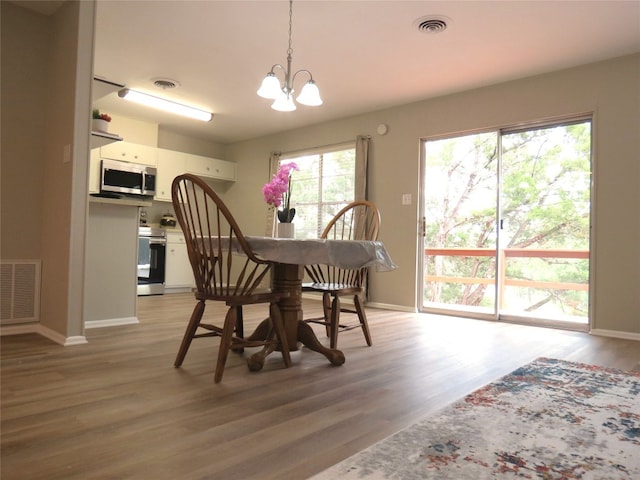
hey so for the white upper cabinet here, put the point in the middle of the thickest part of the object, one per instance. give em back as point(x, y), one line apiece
point(170, 165)
point(211, 167)
point(94, 171)
point(130, 152)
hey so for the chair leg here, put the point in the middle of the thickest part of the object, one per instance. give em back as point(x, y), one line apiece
point(225, 342)
point(281, 334)
point(196, 316)
point(239, 322)
point(326, 310)
point(362, 316)
point(239, 327)
point(335, 322)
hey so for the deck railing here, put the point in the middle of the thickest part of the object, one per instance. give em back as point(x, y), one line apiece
point(503, 255)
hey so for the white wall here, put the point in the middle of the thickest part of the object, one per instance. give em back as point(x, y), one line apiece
point(611, 90)
point(47, 63)
point(23, 97)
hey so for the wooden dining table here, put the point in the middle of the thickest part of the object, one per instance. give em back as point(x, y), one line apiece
point(289, 256)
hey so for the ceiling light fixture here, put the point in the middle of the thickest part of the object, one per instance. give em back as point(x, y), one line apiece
point(283, 94)
point(165, 105)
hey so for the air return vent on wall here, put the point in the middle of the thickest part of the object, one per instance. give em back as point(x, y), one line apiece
point(20, 291)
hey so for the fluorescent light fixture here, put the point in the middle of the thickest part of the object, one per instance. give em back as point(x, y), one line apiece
point(166, 105)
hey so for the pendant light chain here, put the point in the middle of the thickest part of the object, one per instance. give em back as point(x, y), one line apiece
point(290, 51)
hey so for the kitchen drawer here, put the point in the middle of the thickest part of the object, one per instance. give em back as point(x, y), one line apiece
point(130, 152)
point(175, 237)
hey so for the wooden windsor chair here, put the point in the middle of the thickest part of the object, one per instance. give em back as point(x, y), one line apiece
point(225, 270)
point(360, 220)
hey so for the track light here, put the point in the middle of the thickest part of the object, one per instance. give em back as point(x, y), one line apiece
point(165, 105)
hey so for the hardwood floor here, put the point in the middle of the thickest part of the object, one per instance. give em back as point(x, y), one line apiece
point(116, 408)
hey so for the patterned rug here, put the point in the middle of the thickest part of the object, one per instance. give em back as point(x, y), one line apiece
point(550, 419)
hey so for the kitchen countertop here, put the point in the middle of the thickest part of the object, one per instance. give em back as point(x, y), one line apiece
point(125, 202)
point(175, 229)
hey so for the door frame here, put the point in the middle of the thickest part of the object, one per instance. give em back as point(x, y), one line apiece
point(496, 316)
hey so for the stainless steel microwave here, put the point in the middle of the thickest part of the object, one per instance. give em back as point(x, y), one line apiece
point(127, 178)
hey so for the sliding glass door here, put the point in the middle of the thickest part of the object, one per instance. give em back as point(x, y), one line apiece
point(506, 224)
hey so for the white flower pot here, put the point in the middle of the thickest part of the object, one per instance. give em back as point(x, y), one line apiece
point(99, 125)
point(286, 230)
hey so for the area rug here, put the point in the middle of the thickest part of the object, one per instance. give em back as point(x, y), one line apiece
point(550, 419)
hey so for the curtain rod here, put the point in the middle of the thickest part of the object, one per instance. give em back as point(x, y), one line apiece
point(318, 147)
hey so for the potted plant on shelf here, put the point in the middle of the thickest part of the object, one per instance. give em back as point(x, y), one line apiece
point(100, 121)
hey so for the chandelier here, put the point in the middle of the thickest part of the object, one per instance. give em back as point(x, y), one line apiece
point(282, 95)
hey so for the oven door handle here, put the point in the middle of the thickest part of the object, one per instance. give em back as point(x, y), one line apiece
point(157, 241)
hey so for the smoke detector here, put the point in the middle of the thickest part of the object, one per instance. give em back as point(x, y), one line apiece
point(432, 24)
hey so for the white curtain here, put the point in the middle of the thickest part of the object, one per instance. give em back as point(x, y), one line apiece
point(362, 160)
point(274, 164)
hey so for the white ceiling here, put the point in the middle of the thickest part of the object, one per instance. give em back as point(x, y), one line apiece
point(364, 55)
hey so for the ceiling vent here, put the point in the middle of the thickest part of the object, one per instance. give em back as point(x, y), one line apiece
point(165, 83)
point(431, 24)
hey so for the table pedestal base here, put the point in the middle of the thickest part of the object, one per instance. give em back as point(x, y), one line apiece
point(288, 278)
point(305, 335)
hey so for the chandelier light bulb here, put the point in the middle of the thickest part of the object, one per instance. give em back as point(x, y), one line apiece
point(270, 87)
point(310, 95)
point(284, 103)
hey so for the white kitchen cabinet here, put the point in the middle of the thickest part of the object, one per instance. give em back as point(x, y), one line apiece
point(94, 171)
point(130, 152)
point(178, 275)
point(211, 167)
point(170, 165)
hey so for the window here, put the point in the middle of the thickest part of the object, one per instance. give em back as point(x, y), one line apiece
point(324, 183)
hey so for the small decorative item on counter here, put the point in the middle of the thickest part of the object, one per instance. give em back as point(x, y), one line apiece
point(100, 121)
point(168, 220)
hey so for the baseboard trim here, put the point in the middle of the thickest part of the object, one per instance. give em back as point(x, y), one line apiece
point(349, 301)
point(111, 322)
point(44, 332)
point(388, 306)
point(615, 334)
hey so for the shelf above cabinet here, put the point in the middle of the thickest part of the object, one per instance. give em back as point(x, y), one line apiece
point(99, 139)
point(103, 87)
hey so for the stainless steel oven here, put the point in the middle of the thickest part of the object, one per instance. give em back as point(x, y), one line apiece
point(152, 249)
